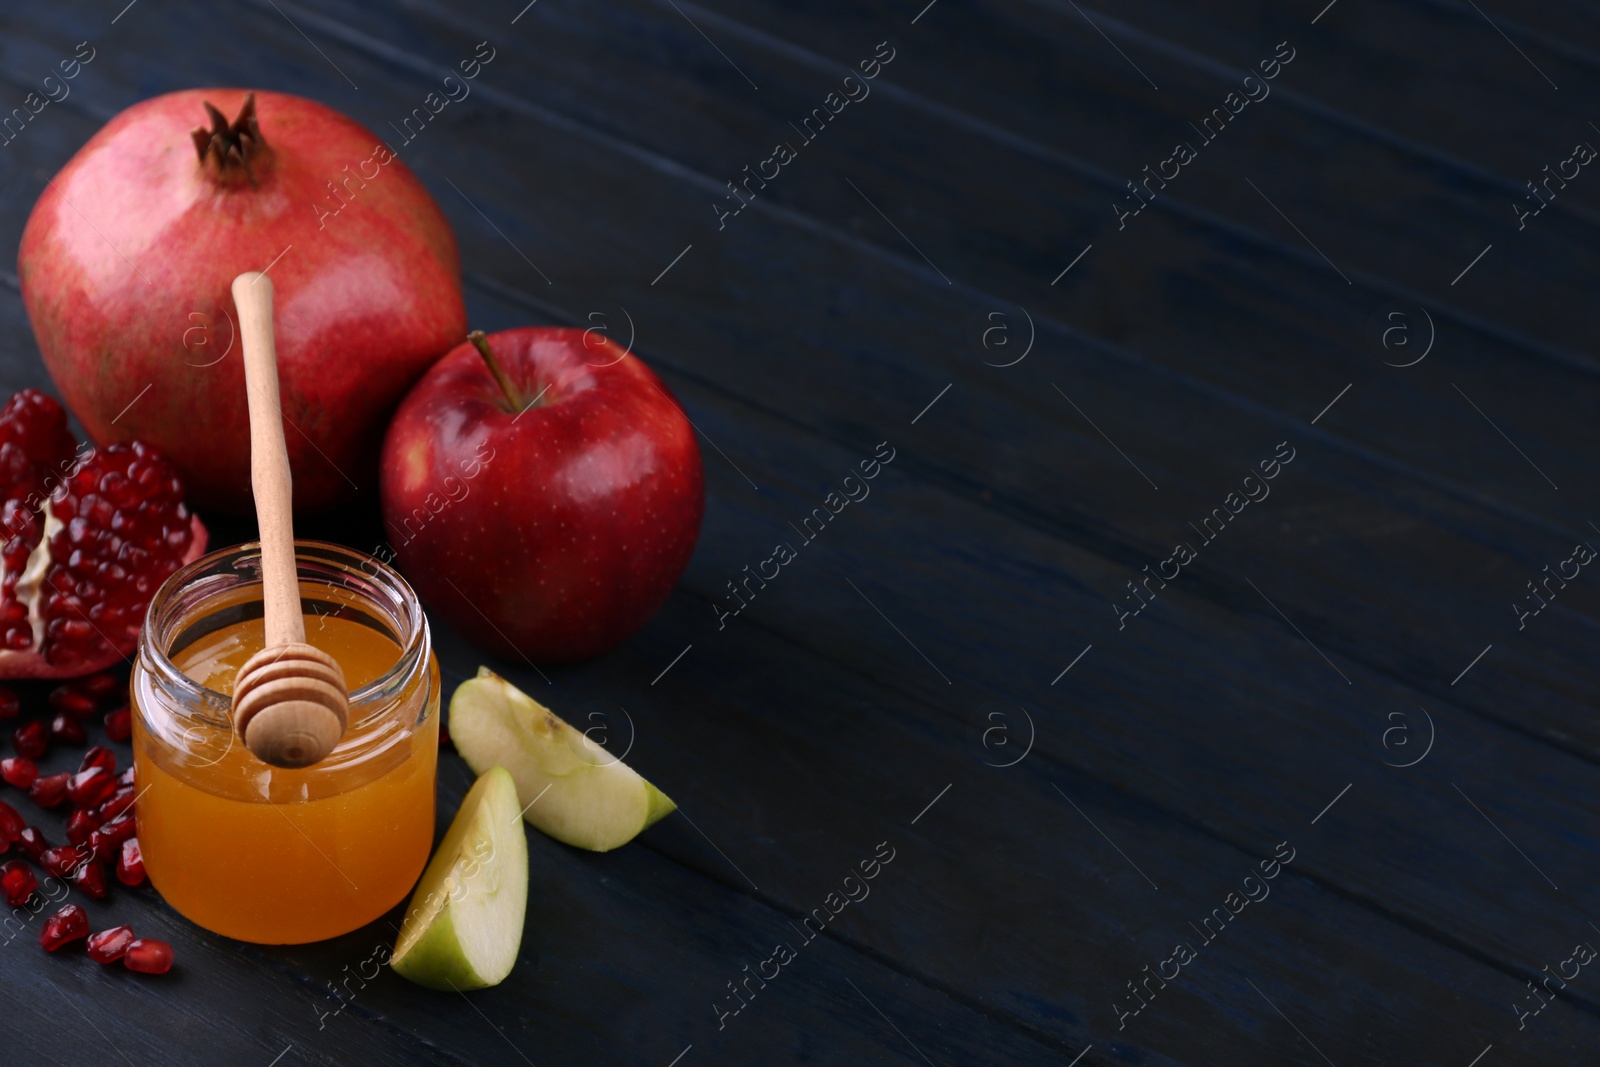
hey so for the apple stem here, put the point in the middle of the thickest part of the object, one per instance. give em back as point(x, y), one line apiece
point(480, 341)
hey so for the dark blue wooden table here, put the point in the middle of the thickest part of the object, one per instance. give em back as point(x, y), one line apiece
point(1179, 671)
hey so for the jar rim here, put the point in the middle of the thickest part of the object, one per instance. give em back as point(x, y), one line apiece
point(414, 640)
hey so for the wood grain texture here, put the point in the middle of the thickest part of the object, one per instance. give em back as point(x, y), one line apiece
point(847, 305)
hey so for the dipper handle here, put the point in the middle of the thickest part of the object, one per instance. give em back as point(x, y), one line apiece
point(289, 700)
point(269, 462)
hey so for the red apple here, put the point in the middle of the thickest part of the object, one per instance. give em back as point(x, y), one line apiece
point(543, 492)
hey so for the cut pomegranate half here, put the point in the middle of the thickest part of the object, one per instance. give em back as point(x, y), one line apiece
point(86, 537)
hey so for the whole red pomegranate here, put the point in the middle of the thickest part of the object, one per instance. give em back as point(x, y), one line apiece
point(128, 256)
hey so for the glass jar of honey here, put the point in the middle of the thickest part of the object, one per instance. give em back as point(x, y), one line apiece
point(269, 854)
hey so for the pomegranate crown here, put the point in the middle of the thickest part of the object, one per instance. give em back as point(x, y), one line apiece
point(231, 146)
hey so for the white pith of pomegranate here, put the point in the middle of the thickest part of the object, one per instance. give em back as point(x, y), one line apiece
point(88, 538)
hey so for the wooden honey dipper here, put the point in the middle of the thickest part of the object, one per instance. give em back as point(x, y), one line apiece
point(290, 704)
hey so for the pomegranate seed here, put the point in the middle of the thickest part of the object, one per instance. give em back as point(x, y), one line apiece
point(107, 841)
point(19, 771)
point(126, 777)
point(49, 790)
point(68, 924)
point(121, 828)
point(119, 724)
point(32, 843)
point(11, 824)
point(91, 878)
point(118, 803)
point(80, 826)
point(90, 787)
point(31, 740)
point(108, 946)
point(18, 882)
point(67, 730)
point(71, 700)
point(60, 861)
point(104, 685)
point(99, 756)
point(10, 706)
point(130, 868)
point(148, 956)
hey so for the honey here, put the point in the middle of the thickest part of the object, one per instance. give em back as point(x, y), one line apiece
point(270, 854)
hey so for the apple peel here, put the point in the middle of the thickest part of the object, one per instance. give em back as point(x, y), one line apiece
point(570, 788)
point(464, 928)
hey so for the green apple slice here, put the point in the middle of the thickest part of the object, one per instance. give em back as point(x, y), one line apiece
point(464, 927)
point(570, 787)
